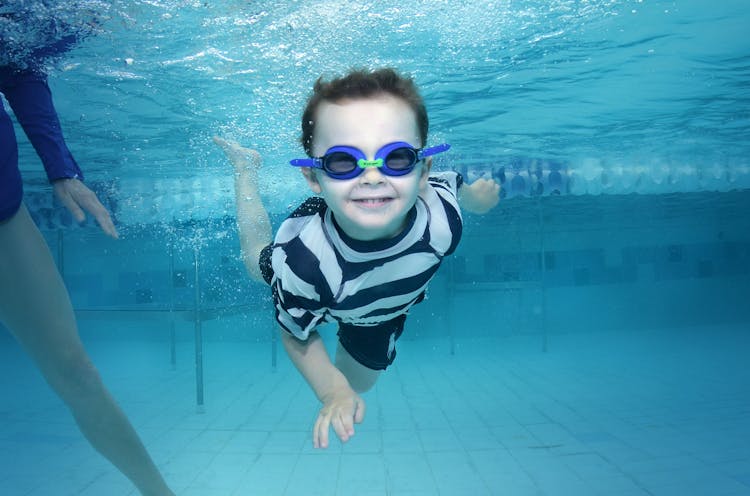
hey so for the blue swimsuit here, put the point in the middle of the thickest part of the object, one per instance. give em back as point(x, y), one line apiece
point(11, 190)
point(31, 100)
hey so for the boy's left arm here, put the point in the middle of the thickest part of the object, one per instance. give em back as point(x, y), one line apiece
point(479, 197)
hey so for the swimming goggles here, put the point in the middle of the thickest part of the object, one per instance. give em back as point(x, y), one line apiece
point(347, 162)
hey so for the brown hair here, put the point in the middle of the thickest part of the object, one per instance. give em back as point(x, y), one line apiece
point(363, 83)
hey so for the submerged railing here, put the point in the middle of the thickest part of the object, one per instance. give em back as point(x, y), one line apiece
point(196, 312)
point(179, 254)
point(522, 253)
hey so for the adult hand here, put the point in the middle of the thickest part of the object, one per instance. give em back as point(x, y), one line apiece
point(341, 409)
point(78, 198)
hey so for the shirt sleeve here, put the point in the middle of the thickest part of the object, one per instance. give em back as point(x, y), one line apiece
point(292, 312)
point(446, 224)
point(449, 181)
point(297, 304)
point(297, 282)
point(31, 100)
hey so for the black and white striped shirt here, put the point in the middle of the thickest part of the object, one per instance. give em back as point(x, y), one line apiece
point(319, 274)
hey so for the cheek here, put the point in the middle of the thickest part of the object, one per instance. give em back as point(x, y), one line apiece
point(408, 192)
point(333, 189)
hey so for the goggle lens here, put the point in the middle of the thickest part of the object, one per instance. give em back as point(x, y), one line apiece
point(401, 159)
point(339, 163)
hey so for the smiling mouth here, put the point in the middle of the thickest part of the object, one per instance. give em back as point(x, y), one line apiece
point(372, 202)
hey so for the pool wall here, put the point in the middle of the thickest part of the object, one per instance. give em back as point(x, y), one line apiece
point(533, 265)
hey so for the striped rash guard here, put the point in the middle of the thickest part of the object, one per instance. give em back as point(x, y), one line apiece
point(319, 274)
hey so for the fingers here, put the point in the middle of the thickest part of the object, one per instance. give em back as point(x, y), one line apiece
point(342, 418)
point(493, 189)
point(67, 200)
point(102, 217)
point(359, 413)
point(486, 193)
point(320, 431)
point(79, 199)
point(343, 426)
point(488, 186)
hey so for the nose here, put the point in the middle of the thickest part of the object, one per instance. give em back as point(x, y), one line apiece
point(371, 175)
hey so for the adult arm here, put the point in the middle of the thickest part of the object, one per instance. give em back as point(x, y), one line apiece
point(31, 100)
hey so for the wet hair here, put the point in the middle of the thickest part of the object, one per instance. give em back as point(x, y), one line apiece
point(358, 84)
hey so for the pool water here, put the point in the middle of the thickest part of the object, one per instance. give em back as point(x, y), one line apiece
point(665, 414)
point(588, 337)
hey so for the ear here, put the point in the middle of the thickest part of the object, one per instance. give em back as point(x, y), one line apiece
point(312, 181)
point(425, 173)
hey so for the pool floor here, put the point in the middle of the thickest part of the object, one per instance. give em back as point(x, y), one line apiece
point(659, 413)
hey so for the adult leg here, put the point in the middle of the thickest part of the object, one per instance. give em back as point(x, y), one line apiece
point(35, 306)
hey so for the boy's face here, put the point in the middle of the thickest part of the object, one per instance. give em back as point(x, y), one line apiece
point(371, 205)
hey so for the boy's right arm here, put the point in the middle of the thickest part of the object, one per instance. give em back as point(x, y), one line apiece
point(479, 197)
point(252, 217)
point(342, 407)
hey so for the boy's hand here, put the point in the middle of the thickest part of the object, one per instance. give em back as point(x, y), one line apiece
point(243, 159)
point(479, 197)
point(341, 409)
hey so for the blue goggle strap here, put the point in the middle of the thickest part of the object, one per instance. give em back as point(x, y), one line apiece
point(433, 150)
point(307, 162)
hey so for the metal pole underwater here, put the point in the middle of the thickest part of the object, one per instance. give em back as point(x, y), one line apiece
point(451, 304)
point(274, 343)
point(198, 334)
point(543, 266)
point(172, 332)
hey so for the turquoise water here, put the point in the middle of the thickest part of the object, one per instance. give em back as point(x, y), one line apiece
point(646, 97)
point(587, 338)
